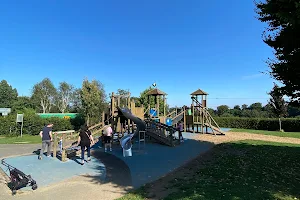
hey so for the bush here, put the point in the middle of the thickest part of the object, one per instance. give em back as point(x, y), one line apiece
point(270, 124)
point(32, 124)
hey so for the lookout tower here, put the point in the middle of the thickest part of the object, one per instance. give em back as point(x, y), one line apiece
point(200, 116)
point(155, 112)
point(198, 107)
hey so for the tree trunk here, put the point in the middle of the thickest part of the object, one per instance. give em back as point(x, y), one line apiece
point(88, 120)
point(279, 124)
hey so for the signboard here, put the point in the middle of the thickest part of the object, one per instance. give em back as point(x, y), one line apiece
point(20, 118)
point(59, 115)
point(5, 111)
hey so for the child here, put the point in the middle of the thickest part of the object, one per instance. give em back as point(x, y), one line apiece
point(107, 138)
point(60, 145)
point(180, 130)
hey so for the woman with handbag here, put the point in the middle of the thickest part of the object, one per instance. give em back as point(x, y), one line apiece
point(85, 140)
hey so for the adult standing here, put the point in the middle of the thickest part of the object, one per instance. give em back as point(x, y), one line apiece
point(85, 140)
point(46, 135)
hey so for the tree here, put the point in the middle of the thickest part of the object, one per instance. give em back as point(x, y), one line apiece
point(283, 19)
point(22, 103)
point(268, 110)
point(137, 101)
point(293, 111)
point(76, 104)
point(244, 107)
point(8, 95)
point(123, 101)
point(278, 103)
point(212, 112)
point(93, 99)
point(44, 93)
point(237, 107)
point(222, 109)
point(256, 106)
point(65, 95)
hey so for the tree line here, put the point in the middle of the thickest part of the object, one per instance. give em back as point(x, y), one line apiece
point(90, 99)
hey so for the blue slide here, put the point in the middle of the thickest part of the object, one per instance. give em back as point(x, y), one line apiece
point(126, 140)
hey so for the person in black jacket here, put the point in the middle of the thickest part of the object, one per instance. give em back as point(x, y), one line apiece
point(85, 140)
point(46, 135)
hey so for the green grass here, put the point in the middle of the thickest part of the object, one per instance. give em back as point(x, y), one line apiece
point(263, 132)
point(241, 170)
point(25, 139)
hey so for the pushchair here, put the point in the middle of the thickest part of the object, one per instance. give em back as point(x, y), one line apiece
point(19, 179)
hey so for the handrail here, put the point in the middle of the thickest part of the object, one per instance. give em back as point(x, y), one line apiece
point(146, 111)
point(167, 127)
point(181, 113)
point(174, 111)
point(65, 132)
point(213, 119)
point(197, 102)
point(99, 124)
point(94, 126)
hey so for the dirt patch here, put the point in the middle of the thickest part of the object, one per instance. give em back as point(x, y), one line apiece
point(237, 136)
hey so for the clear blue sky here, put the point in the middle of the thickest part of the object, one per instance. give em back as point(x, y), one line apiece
point(181, 45)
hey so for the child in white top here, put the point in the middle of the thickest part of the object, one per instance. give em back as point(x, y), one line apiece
point(107, 138)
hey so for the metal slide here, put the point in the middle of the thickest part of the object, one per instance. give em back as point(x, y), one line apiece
point(152, 128)
point(126, 140)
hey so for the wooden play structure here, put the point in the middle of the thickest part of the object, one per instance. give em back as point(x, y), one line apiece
point(196, 118)
point(155, 113)
point(119, 124)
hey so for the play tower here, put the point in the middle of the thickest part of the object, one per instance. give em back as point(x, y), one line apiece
point(155, 112)
point(197, 117)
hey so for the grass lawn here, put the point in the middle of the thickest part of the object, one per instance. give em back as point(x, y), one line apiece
point(275, 133)
point(25, 139)
point(240, 170)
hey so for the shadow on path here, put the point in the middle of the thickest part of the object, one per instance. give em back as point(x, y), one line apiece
point(117, 172)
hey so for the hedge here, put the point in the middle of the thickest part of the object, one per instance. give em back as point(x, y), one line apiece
point(270, 124)
point(32, 124)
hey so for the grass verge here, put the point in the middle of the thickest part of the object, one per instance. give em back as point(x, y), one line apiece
point(241, 170)
point(25, 139)
point(263, 132)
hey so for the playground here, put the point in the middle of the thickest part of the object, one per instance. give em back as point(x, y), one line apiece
point(146, 141)
point(147, 144)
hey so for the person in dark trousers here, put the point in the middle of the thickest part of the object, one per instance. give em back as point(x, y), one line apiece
point(180, 130)
point(85, 140)
point(46, 135)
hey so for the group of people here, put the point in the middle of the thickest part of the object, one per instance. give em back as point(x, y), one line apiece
point(85, 140)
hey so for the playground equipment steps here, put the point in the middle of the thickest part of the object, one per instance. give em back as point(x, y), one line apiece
point(209, 119)
point(156, 130)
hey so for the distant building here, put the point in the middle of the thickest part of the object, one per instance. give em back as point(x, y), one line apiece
point(5, 111)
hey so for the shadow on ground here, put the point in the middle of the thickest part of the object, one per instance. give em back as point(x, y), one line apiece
point(244, 170)
point(148, 163)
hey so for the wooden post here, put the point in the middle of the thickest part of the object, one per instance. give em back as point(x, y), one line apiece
point(164, 107)
point(63, 154)
point(112, 104)
point(54, 145)
point(193, 116)
point(103, 116)
point(157, 105)
point(184, 119)
point(149, 106)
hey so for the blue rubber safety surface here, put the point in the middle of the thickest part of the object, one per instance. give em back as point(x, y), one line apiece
point(51, 170)
point(150, 161)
